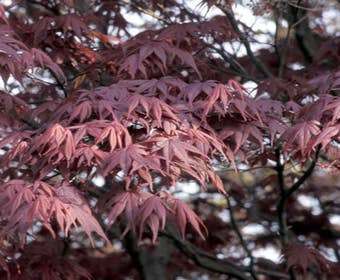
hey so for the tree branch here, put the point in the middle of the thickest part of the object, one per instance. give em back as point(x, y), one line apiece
point(303, 34)
point(281, 213)
point(213, 264)
point(240, 237)
point(233, 63)
point(285, 194)
point(259, 65)
point(210, 263)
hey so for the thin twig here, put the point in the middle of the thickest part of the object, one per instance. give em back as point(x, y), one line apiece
point(241, 239)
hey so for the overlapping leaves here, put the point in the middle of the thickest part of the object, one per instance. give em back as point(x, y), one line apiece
point(26, 203)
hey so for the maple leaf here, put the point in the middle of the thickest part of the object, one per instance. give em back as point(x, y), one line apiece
point(126, 202)
point(205, 142)
point(67, 23)
point(132, 160)
point(82, 111)
point(195, 91)
point(326, 136)
point(325, 82)
point(219, 93)
point(89, 154)
point(271, 112)
point(302, 257)
point(14, 55)
point(27, 203)
point(43, 60)
point(158, 87)
point(183, 215)
point(152, 213)
point(218, 26)
point(333, 108)
point(57, 144)
point(301, 134)
point(125, 110)
point(151, 107)
point(156, 53)
point(173, 149)
point(240, 133)
point(117, 136)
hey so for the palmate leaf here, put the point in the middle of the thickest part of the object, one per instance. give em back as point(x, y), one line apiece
point(157, 54)
point(172, 148)
point(150, 107)
point(333, 108)
point(147, 135)
point(181, 154)
point(66, 23)
point(207, 143)
point(158, 87)
point(17, 58)
point(327, 135)
point(181, 32)
point(140, 209)
point(152, 213)
point(184, 215)
point(55, 144)
point(116, 135)
point(126, 202)
point(240, 133)
point(147, 211)
point(300, 134)
point(132, 160)
point(89, 155)
point(41, 59)
point(25, 203)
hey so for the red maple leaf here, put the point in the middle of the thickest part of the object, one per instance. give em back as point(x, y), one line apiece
point(184, 216)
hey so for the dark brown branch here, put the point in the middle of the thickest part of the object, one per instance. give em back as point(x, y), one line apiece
point(131, 247)
point(284, 53)
point(279, 169)
point(213, 264)
point(53, 9)
point(281, 214)
point(304, 36)
point(259, 65)
point(151, 265)
point(234, 65)
point(285, 194)
point(210, 263)
point(294, 22)
point(271, 273)
point(60, 84)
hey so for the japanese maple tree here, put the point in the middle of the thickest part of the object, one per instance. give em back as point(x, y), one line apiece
point(177, 148)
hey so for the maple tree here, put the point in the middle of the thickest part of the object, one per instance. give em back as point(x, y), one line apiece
point(103, 130)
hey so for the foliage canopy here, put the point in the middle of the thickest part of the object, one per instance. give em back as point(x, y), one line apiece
point(103, 130)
